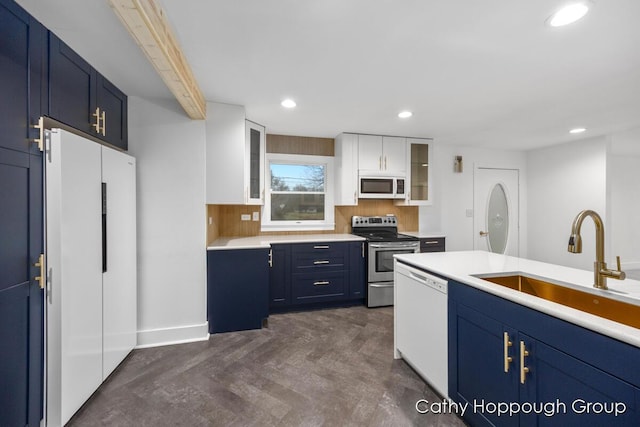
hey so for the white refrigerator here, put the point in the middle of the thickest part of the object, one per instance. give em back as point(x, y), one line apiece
point(91, 319)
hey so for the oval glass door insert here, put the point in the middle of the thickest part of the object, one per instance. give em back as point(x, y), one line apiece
point(498, 220)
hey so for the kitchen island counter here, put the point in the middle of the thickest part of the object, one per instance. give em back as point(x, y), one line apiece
point(465, 265)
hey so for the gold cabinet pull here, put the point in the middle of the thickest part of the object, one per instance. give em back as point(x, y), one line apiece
point(324, 261)
point(96, 125)
point(507, 359)
point(385, 162)
point(40, 276)
point(104, 123)
point(523, 369)
point(321, 283)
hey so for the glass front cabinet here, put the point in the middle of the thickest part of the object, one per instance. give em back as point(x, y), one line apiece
point(254, 163)
point(419, 182)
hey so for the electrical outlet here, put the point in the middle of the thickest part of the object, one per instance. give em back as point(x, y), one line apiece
point(469, 213)
point(256, 216)
point(210, 220)
point(245, 217)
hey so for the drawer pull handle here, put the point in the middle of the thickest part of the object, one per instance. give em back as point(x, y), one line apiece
point(431, 242)
point(507, 359)
point(321, 247)
point(321, 283)
point(321, 262)
point(523, 369)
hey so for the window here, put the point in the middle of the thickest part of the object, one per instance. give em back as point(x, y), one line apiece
point(300, 193)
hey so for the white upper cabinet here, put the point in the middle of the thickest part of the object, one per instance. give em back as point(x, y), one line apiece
point(418, 180)
point(346, 169)
point(234, 156)
point(381, 155)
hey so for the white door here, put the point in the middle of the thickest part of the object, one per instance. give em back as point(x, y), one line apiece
point(119, 277)
point(74, 255)
point(496, 213)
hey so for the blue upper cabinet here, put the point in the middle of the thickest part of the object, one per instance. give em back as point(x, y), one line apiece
point(113, 105)
point(502, 352)
point(82, 98)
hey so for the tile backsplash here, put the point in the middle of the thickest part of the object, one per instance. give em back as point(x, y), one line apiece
point(225, 219)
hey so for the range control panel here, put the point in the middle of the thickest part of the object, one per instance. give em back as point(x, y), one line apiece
point(374, 221)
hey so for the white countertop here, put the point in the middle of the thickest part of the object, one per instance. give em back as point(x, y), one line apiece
point(256, 242)
point(462, 266)
point(424, 234)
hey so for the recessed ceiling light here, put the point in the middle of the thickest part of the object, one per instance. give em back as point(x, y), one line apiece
point(577, 130)
point(568, 14)
point(288, 103)
point(405, 114)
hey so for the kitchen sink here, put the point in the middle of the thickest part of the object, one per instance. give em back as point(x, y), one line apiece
point(592, 303)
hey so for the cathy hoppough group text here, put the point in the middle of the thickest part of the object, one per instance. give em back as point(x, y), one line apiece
point(501, 409)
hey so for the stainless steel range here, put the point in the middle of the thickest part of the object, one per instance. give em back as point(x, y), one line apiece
point(383, 241)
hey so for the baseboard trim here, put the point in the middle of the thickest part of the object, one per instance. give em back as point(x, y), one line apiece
point(171, 336)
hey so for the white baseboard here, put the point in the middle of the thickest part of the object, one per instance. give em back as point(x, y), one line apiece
point(170, 336)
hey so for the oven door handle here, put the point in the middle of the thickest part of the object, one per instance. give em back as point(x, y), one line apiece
point(394, 245)
point(381, 285)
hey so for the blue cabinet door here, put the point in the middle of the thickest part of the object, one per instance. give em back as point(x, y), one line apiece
point(576, 393)
point(113, 102)
point(21, 300)
point(280, 276)
point(477, 371)
point(72, 83)
point(357, 270)
point(237, 289)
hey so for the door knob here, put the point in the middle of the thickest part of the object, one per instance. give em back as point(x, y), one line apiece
point(484, 233)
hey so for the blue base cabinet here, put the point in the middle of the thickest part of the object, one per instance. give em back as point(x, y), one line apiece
point(316, 275)
point(558, 372)
point(237, 289)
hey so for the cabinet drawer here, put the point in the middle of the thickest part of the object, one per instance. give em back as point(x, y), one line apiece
point(315, 287)
point(320, 247)
point(319, 255)
point(432, 244)
point(318, 261)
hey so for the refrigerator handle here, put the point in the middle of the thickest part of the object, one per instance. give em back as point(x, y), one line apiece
point(104, 227)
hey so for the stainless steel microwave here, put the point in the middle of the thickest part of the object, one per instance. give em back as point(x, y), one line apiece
point(381, 187)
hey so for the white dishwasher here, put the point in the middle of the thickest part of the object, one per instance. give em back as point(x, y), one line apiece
point(420, 314)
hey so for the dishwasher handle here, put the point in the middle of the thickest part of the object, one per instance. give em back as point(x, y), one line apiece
point(422, 277)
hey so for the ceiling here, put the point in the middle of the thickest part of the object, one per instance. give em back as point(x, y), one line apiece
point(482, 73)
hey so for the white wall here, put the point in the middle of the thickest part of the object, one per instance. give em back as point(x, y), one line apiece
point(170, 152)
point(623, 186)
point(564, 180)
point(453, 193)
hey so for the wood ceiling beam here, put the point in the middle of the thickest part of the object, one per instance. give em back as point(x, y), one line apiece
point(146, 22)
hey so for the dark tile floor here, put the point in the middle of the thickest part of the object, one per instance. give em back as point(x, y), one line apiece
point(321, 368)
